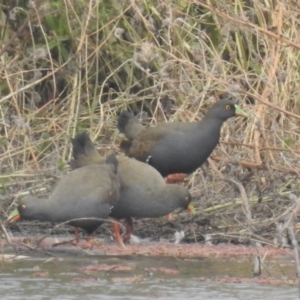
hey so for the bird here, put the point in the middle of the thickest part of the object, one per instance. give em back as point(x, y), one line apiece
point(176, 147)
point(143, 191)
point(88, 193)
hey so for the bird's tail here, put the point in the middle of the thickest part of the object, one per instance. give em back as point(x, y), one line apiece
point(129, 125)
point(84, 152)
point(125, 146)
point(112, 159)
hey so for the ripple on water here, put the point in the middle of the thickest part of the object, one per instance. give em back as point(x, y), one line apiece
point(18, 281)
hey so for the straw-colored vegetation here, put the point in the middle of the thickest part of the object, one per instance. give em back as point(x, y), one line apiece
point(68, 66)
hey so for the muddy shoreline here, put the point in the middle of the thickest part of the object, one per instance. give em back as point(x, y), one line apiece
point(278, 266)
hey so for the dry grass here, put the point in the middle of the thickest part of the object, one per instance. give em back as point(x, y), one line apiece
point(68, 66)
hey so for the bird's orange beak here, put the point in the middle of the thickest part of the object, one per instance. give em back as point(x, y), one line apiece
point(191, 208)
point(14, 216)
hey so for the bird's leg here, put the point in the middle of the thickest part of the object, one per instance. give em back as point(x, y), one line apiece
point(77, 234)
point(128, 223)
point(116, 230)
point(174, 178)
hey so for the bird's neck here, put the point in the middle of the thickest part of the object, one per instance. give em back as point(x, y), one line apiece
point(43, 210)
point(212, 120)
point(175, 194)
point(214, 125)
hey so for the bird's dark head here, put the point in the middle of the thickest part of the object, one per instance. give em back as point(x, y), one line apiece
point(26, 210)
point(184, 197)
point(225, 109)
point(186, 200)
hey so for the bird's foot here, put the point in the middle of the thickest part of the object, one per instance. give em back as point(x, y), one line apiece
point(128, 223)
point(77, 234)
point(88, 244)
point(117, 235)
point(169, 217)
point(174, 178)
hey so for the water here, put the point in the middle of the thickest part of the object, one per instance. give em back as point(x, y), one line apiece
point(96, 277)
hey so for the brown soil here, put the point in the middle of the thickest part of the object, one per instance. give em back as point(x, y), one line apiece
point(218, 229)
point(285, 274)
point(35, 237)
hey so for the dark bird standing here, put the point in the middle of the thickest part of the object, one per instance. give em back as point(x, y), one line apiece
point(89, 192)
point(178, 147)
point(143, 193)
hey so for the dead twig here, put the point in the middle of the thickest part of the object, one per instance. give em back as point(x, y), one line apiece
point(242, 191)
